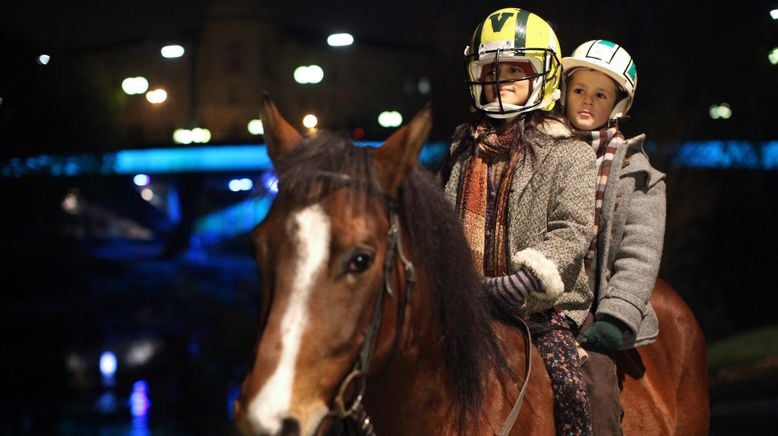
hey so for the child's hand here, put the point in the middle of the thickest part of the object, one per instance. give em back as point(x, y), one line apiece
point(511, 290)
point(604, 336)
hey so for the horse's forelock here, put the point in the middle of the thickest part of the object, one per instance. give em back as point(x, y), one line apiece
point(303, 172)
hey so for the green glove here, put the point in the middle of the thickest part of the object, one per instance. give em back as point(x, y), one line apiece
point(604, 336)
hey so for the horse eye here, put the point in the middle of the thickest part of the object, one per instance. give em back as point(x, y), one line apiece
point(359, 263)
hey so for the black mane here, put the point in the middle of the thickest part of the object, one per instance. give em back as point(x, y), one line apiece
point(436, 238)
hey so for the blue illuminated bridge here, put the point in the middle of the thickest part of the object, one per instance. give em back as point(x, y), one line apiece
point(144, 164)
point(252, 158)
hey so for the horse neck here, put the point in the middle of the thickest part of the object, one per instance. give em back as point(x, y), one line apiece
point(412, 388)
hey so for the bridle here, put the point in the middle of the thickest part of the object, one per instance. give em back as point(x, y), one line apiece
point(354, 384)
point(354, 410)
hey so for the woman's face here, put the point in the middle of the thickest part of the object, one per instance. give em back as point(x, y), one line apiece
point(516, 92)
point(591, 96)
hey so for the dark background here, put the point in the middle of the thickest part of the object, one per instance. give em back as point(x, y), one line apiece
point(63, 296)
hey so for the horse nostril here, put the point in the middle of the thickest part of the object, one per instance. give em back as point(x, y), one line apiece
point(290, 427)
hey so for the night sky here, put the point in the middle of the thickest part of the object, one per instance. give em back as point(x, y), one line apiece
point(689, 54)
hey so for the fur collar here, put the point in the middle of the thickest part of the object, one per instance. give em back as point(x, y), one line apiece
point(555, 129)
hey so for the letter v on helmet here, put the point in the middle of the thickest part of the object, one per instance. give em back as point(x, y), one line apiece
point(498, 20)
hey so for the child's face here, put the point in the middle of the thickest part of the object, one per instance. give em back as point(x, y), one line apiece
point(511, 92)
point(591, 96)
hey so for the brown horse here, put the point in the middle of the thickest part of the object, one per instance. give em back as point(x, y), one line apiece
point(369, 320)
point(665, 384)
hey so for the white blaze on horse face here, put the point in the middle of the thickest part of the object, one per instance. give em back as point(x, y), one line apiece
point(271, 405)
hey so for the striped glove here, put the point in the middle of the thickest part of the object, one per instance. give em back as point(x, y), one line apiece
point(510, 291)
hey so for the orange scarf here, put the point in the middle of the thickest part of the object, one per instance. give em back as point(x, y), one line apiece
point(484, 209)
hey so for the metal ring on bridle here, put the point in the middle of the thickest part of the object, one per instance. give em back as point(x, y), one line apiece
point(339, 405)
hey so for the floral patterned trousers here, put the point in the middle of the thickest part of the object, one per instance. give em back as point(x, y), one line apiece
point(555, 341)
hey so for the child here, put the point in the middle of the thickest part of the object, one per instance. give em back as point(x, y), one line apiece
point(524, 188)
point(623, 259)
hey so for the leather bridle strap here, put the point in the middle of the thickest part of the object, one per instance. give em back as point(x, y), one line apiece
point(507, 426)
point(356, 410)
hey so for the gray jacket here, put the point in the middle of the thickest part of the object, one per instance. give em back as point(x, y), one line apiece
point(551, 219)
point(629, 248)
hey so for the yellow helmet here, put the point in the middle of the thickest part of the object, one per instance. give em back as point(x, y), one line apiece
point(514, 35)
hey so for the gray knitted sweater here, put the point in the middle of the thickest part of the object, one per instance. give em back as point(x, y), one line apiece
point(550, 217)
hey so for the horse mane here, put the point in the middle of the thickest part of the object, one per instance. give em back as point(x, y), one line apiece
point(470, 346)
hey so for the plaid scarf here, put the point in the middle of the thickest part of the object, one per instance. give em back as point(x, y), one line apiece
point(605, 150)
point(483, 202)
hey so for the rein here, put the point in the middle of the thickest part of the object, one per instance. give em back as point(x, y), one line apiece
point(507, 426)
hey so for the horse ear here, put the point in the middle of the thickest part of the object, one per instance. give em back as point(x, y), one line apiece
point(280, 136)
point(396, 158)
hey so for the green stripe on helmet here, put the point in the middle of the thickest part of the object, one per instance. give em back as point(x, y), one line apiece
point(520, 40)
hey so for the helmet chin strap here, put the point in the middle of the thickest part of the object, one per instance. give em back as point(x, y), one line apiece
point(504, 111)
point(618, 120)
point(500, 110)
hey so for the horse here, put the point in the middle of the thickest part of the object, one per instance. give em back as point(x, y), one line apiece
point(665, 383)
point(370, 319)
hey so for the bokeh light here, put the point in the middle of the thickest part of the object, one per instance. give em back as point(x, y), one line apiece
point(310, 121)
point(255, 127)
point(773, 56)
point(720, 111)
point(156, 96)
point(108, 364)
point(135, 85)
point(238, 185)
point(390, 119)
point(340, 40)
point(311, 74)
point(172, 51)
point(141, 179)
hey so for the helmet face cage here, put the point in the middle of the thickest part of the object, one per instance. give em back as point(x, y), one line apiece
point(612, 60)
point(545, 66)
point(513, 35)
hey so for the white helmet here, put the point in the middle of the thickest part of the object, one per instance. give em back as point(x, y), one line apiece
point(608, 58)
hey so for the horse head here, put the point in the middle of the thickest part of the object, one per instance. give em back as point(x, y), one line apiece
point(326, 255)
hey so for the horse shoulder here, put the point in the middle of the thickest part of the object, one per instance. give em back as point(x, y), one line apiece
point(536, 416)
